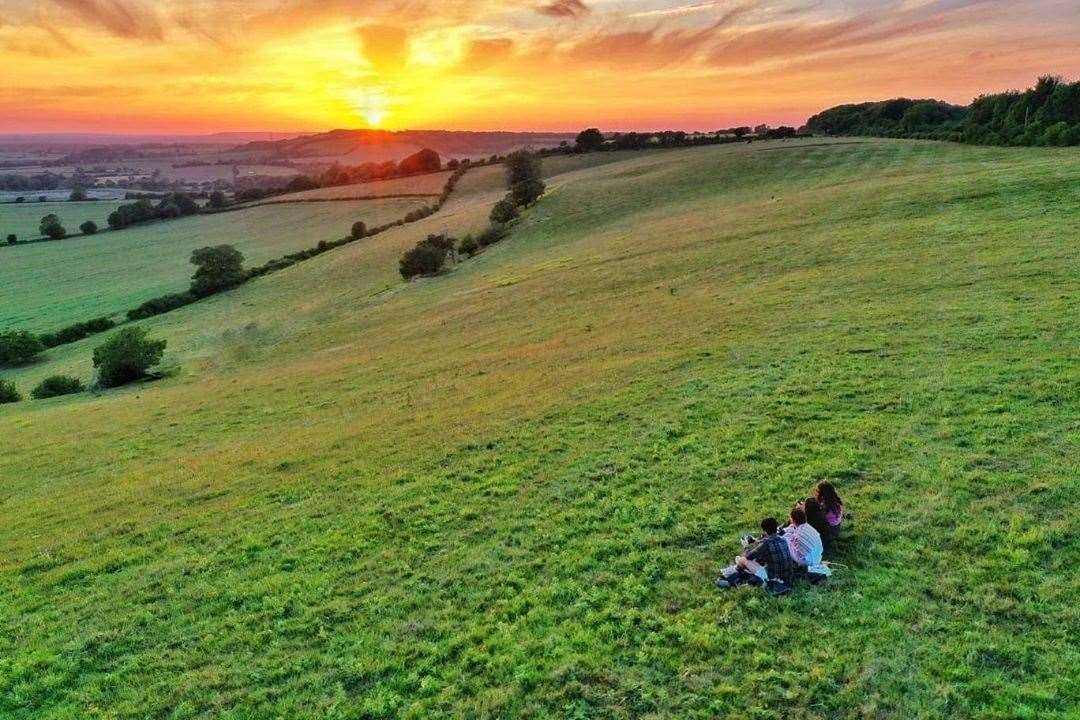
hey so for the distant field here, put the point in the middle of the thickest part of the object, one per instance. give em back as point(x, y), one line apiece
point(505, 492)
point(49, 285)
point(429, 183)
point(24, 219)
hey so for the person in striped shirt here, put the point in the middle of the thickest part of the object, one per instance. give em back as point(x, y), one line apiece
point(803, 541)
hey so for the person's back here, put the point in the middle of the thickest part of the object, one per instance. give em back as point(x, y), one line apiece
point(815, 518)
point(831, 505)
point(803, 541)
point(773, 554)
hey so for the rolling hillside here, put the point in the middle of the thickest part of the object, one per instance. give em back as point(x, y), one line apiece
point(50, 285)
point(504, 492)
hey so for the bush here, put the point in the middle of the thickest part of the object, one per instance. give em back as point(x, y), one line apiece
point(527, 192)
point(126, 357)
point(89, 227)
point(8, 392)
point(359, 230)
point(427, 258)
point(12, 238)
point(219, 268)
point(492, 235)
point(160, 305)
point(51, 228)
point(18, 347)
point(78, 331)
point(77, 195)
point(469, 246)
point(504, 211)
point(56, 386)
point(217, 199)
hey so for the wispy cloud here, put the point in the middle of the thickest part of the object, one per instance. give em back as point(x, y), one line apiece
point(122, 18)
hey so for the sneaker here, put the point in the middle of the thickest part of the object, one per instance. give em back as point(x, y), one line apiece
point(724, 583)
point(777, 588)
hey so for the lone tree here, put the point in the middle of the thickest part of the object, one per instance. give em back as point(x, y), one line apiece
point(591, 139)
point(523, 177)
point(126, 357)
point(50, 227)
point(89, 227)
point(217, 199)
point(359, 230)
point(427, 258)
point(78, 194)
point(18, 347)
point(12, 238)
point(219, 268)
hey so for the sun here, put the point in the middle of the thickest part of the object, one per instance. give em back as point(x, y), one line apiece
point(370, 104)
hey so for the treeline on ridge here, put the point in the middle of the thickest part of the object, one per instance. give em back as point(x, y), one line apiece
point(1045, 115)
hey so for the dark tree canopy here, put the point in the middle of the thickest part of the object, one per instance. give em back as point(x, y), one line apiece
point(126, 357)
point(218, 268)
point(51, 228)
point(1047, 114)
point(421, 162)
point(591, 139)
point(18, 347)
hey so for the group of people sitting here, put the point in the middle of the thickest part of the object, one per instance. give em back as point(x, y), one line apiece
point(797, 548)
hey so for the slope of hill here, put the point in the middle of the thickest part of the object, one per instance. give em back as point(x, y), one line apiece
point(55, 284)
point(505, 492)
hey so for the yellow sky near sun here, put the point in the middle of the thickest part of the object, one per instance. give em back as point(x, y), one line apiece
point(208, 65)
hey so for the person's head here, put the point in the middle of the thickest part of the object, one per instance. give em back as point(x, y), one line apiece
point(798, 516)
point(813, 512)
point(827, 496)
point(770, 525)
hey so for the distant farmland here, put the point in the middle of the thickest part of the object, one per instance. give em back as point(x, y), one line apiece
point(57, 283)
point(23, 219)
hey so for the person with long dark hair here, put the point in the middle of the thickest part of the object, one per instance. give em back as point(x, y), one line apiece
point(831, 505)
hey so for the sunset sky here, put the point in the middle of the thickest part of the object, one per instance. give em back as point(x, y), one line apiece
point(192, 66)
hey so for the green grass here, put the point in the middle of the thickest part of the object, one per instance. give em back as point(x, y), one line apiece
point(24, 219)
point(505, 492)
point(51, 285)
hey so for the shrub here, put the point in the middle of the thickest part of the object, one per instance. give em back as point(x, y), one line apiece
point(217, 199)
point(77, 195)
point(219, 268)
point(504, 211)
point(89, 227)
point(590, 139)
point(160, 305)
point(56, 386)
point(12, 238)
point(8, 392)
point(493, 234)
point(469, 246)
point(359, 230)
point(527, 192)
point(18, 347)
point(50, 227)
point(126, 357)
point(427, 258)
point(78, 331)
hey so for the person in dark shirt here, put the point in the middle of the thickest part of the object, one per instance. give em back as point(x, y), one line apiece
point(765, 559)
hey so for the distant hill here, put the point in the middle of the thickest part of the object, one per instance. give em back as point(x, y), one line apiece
point(358, 146)
point(1047, 114)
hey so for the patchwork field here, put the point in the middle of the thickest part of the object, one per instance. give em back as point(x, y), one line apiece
point(24, 219)
point(504, 492)
point(49, 285)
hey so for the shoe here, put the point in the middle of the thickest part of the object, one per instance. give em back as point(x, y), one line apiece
point(777, 588)
point(724, 583)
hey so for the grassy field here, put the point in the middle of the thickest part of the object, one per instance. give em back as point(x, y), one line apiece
point(50, 285)
point(24, 219)
point(505, 492)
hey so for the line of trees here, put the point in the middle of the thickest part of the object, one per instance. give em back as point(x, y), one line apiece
point(171, 206)
point(1047, 114)
point(525, 186)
